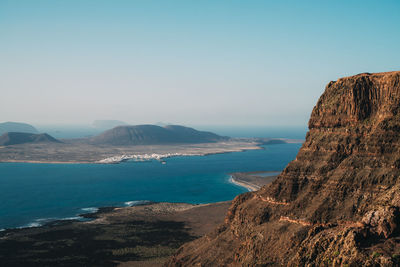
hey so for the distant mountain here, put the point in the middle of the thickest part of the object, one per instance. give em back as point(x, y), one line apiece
point(152, 134)
point(16, 127)
point(107, 124)
point(162, 124)
point(15, 138)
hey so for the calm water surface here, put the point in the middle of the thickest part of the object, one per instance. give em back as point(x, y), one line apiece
point(32, 194)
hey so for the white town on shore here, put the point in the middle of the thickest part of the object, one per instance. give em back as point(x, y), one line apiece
point(144, 157)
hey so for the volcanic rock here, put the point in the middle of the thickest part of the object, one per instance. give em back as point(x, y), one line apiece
point(336, 204)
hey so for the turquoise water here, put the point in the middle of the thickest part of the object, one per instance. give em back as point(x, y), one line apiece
point(32, 194)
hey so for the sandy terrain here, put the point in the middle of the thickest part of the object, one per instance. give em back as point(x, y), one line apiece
point(75, 152)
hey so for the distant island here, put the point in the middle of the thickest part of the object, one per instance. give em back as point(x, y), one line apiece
point(153, 134)
point(121, 143)
point(16, 138)
point(9, 126)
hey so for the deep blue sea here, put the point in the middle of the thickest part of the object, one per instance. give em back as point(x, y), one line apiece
point(32, 194)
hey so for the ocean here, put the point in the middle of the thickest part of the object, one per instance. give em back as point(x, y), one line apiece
point(33, 194)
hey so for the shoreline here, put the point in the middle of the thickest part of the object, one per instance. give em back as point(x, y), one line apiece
point(124, 158)
point(47, 162)
point(250, 187)
point(251, 181)
point(88, 213)
point(92, 214)
point(145, 234)
point(75, 153)
point(88, 154)
point(134, 158)
point(161, 157)
point(156, 230)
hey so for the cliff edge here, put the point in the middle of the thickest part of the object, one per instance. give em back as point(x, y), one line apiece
point(336, 204)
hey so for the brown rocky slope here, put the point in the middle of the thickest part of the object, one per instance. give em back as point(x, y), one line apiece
point(336, 204)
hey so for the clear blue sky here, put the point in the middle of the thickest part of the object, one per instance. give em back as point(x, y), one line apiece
point(187, 62)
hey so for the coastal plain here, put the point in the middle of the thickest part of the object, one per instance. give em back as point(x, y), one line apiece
point(76, 151)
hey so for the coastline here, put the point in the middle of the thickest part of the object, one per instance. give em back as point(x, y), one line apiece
point(75, 153)
point(47, 162)
point(249, 186)
point(160, 157)
point(143, 235)
point(253, 181)
point(155, 232)
point(224, 176)
point(248, 180)
point(123, 158)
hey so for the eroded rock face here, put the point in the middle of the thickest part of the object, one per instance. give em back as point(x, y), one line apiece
point(337, 203)
point(384, 221)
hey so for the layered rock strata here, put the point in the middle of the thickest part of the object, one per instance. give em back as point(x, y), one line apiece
point(337, 203)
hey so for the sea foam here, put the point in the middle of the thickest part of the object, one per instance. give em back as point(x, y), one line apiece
point(43, 221)
point(90, 210)
point(30, 225)
point(136, 203)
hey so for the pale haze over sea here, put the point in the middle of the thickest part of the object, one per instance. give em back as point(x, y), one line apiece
point(291, 132)
point(191, 62)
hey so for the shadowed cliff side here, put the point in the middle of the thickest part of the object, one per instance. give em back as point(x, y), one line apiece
point(337, 203)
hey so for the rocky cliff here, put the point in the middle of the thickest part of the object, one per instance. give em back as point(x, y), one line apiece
point(337, 203)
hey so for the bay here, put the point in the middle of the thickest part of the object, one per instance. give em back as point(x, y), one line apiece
point(32, 194)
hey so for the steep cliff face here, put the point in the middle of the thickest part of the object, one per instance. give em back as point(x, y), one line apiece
point(337, 203)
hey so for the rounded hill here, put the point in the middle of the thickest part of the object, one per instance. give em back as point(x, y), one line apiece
point(152, 134)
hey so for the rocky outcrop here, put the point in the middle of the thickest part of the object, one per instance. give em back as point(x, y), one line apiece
point(337, 203)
